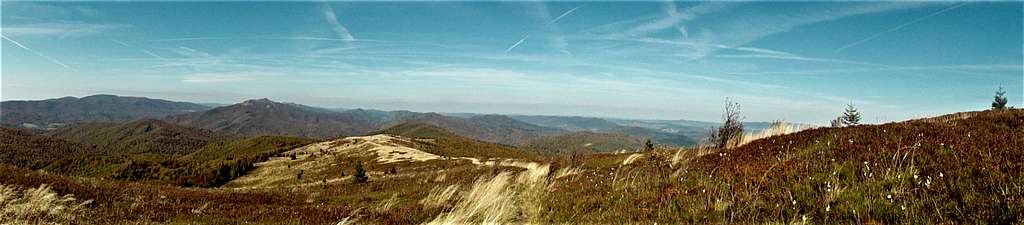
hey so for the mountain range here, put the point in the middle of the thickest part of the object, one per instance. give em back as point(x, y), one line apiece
point(52, 113)
point(81, 117)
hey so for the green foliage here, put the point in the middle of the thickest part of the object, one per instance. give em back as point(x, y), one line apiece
point(850, 116)
point(360, 175)
point(999, 100)
point(142, 136)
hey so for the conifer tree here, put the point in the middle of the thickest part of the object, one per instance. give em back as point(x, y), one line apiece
point(999, 101)
point(850, 117)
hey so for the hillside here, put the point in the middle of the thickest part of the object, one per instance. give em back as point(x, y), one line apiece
point(569, 123)
point(676, 133)
point(436, 140)
point(658, 137)
point(489, 128)
point(96, 108)
point(141, 136)
point(28, 149)
point(962, 168)
point(586, 142)
point(949, 170)
point(264, 117)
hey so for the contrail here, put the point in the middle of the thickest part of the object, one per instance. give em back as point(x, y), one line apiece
point(566, 13)
point(516, 44)
point(152, 54)
point(901, 26)
point(121, 43)
point(126, 45)
point(35, 52)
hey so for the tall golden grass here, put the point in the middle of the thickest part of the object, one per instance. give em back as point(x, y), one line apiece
point(504, 198)
point(777, 128)
point(38, 206)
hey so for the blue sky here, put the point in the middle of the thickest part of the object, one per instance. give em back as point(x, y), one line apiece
point(666, 60)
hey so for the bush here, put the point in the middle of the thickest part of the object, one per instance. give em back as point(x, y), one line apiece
point(360, 175)
point(732, 127)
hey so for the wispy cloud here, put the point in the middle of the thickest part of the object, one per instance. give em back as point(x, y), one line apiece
point(739, 82)
point(674, 17)
point(26, 48)
point(901, 26)
point(332, 19)
point(62, 29)
point(736, 32)
point(305, 38)
point(219, 77)
point(947, 68)
point(754, 27)
point(794, 57)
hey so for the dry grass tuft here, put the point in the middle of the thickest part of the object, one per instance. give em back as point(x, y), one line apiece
point(37, 206)
point(502, 198)
point(777, 128)
point(631, 158)
point(567, 171)
point(386, 205)
point(439, 196)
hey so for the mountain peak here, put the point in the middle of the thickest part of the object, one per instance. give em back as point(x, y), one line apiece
point(258, 102)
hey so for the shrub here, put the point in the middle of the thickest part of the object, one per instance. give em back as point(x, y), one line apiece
point(731, 129)
point(360, 175)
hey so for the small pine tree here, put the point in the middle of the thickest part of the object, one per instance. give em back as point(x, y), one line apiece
point(648, 145)
point(360, 175)
point(999, 101)
point(393, 171)
point(299, 175)
point(850, 117)
point(293, 156)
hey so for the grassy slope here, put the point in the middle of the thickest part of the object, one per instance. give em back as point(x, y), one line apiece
point(965, 170)
point(960, 171)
